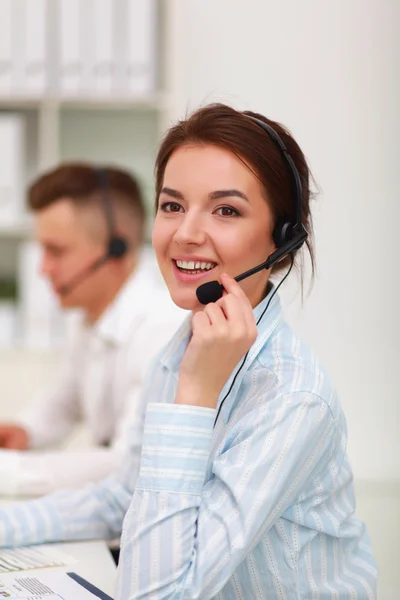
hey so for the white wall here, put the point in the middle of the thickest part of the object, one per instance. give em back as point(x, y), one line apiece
point(327, 70)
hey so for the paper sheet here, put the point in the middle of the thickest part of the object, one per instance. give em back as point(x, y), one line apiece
point(50, 585)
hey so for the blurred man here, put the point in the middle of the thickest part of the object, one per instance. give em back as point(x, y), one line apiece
point(90, 225)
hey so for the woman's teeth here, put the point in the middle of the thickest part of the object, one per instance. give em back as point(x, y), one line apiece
point(194, 267)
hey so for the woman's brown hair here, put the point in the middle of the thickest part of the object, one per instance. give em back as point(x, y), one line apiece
point(227, 128)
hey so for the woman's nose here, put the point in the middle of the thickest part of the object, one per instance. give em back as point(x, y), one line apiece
point(190, 231)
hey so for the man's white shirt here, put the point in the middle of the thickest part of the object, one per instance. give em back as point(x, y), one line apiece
point(100, 384)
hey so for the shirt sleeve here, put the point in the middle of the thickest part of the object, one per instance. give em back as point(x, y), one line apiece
point(93, 512)
point(188, 528)
point(51, 418)
point(33, 473)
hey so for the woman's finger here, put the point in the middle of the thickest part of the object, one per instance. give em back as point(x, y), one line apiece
point(233, 309)
point(232, 287)
point(215, 314)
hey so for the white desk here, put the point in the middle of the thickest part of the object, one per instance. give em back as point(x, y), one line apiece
point(95, 563)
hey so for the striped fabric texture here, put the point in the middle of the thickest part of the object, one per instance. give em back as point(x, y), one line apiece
point(259, 505)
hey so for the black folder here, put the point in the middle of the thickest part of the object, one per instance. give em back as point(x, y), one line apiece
point(89, 586)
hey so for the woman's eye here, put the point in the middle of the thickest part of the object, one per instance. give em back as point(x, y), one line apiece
point(171, 207)
point(227, 211)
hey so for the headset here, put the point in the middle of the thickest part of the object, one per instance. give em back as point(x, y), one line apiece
point(288, 236)
point(117, 246)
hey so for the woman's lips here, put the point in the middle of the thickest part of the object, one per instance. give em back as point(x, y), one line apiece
point(189, 277)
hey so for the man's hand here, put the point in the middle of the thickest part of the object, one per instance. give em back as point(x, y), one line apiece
point(13, 437)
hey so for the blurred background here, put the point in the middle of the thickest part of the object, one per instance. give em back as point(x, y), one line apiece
point(101, 80)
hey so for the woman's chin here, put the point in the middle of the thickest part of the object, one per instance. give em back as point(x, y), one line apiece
point(186, 300)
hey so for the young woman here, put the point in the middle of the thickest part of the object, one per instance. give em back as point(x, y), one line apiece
point(245, 489)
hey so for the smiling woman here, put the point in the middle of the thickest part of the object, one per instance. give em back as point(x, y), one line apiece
point(210, 221)
point(245, 488)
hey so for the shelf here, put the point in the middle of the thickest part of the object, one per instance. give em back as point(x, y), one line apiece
point(94, 100)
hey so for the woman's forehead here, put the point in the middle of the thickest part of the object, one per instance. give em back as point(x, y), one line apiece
point(207, 166)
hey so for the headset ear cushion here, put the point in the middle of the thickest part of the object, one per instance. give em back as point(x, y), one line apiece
point(117, 247)
point(283, 232)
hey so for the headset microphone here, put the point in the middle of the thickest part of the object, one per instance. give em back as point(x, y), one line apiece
point(288, 236)
point(81, 276)
point(117, 246)
point(212, 290)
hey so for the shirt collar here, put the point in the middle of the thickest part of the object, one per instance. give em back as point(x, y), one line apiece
point(173, 354)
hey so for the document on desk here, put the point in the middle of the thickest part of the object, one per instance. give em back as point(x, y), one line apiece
point(49, 585)
point(32, 557)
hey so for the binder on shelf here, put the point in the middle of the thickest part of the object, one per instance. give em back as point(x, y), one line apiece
point(23, 52)
point(18, 23)
point(5, 46)
point(36, 72)
point(142, 47)
point(87, 45)
point(120, 45)
point(103, 65)
point(70, 67)
point(12, 175)
point(102, 47)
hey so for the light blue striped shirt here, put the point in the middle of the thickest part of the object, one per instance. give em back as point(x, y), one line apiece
point(260, 506)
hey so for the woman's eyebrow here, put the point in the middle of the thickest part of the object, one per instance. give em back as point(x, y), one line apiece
point(217, 195)
point(228, 193)
point(172, 193)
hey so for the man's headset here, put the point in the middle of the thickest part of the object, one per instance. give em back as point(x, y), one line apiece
point(117, 246)
point(288, 236)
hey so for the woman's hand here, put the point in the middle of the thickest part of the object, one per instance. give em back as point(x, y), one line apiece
point(222, 334)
